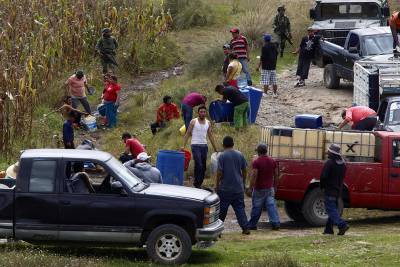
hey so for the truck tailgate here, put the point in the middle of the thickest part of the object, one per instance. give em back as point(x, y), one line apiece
point(6, 213)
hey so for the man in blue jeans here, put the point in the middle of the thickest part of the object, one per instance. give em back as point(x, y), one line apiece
point(331, 182)
point(200, 129)
point(262, 185)
point(231, 178)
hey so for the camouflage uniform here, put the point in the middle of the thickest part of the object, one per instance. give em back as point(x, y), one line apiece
point(282, 30)
point(107, 46)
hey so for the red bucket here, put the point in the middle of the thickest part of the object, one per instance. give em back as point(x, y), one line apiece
point(188, 157)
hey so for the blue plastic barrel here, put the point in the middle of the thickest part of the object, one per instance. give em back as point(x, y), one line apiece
point(255, 100)
point(220, 111)
point(247, 94)
point(308, 121)
point(171, 164)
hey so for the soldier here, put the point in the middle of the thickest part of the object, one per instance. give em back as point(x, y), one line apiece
point(282, 29)
point(106, 47)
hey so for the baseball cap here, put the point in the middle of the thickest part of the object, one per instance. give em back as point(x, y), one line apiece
point(143, 156)
point(234, 30)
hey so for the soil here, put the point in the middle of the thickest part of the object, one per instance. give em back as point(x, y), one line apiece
point(313, 98)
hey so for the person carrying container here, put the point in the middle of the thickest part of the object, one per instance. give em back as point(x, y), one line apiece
point(111, 98)
point(331, 183)
point(240, 48)
point(106, 47)
point(199, 128)
point(362, 118)
point(239, 101)
point(166, 112)
point(190, 101)
point(233, 71)
point(394, 23)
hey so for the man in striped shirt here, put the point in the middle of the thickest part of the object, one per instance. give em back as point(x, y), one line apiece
point(240, 48)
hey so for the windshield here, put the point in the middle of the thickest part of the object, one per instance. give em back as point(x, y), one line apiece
point(394, 113)
point(124, 174)
point(378, 45)
point(350, 11)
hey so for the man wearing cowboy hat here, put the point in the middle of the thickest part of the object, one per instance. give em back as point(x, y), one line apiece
point(281, 28)
point(331, 183)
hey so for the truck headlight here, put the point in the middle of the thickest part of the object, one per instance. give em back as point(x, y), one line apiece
point(211, 214)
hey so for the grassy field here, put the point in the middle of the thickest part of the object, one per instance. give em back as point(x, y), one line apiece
point(289, 247)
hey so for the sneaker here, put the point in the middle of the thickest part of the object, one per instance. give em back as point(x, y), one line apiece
point(275, 95)
point(297, 84)
point(343, 230)
point(246, 232)
point(265, 95)
point(254, 228)
point(275, 227)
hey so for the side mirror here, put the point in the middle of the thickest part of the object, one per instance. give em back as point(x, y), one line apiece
point(386, 11)
point(313, 14)
point(353, 50)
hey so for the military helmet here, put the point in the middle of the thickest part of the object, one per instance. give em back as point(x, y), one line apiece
point(106, 30)
point(282, 7)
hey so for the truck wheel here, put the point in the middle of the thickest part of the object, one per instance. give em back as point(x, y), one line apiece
point(331, 80)
point(169, 244)
point(313, 208)
point(293, 211)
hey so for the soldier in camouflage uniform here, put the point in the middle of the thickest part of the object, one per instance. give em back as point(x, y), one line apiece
point(282, 29)
point(106, 47)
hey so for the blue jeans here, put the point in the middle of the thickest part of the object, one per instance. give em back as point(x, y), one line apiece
point(111, 113)
point(245, 69)
point(264, 198)
point(331, 207)
point(187, 114)
point(237, 202)
point(199, 154)
point(84, 102)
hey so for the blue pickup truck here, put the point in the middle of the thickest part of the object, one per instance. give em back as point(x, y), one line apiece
point(90, 198)
point(375, 43)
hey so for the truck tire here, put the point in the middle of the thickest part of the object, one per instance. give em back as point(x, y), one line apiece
point(331, 80)
point(293, 211)
point(313, 208)
point(169, 244)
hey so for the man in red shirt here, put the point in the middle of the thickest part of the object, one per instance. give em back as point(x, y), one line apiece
point(240, 48)
point(263, 184)
point(132, 145)
point(362, 118)
point(394, 23)
point(166, 112)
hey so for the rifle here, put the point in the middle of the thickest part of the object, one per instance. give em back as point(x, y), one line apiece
point(110, 58)
point(288, 39)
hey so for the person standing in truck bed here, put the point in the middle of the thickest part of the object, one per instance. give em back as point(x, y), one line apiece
point(362, 118)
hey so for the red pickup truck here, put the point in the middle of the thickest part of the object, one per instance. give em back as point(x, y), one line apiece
point(372, 185)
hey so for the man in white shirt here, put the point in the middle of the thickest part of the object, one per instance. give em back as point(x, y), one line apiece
point(200, 129)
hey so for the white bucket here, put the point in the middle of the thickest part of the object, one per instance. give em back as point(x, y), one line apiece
point(90, 123)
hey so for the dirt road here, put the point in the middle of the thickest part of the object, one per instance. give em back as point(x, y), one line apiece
point(314, 98)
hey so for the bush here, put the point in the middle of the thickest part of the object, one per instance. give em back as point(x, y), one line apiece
point(209, 63)
point(187, 14)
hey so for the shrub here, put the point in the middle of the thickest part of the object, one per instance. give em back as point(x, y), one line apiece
point(187, 14)
point(210, 62)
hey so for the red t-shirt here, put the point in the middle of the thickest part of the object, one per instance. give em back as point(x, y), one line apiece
point(167, 112)
point(394, 20)
point(111, 91)
point(358, 113)
point(266, 169)
point(134, 146)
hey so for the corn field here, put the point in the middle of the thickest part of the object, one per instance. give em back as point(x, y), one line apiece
point(42, 38)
